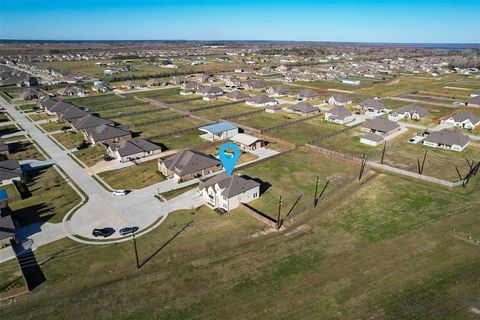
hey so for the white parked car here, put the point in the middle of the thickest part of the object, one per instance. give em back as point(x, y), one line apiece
point(119, 192)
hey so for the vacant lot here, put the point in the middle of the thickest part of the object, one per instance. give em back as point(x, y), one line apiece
point(439, 163)
point(133, 177)
point(91, 156)
point(294, 174)
point(302, 132)
point(221, 112)
point(265, 120)
point(69, 139)
point(167, 126)
point(8, 129)
point(54, 126)
point(393, 230)
point(49, 200)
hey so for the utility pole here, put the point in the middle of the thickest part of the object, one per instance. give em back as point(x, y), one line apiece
point(136, 251)
point(279, 211)
point(383, 152)
point(362, 167)
point(423, 163)
point(316, 191)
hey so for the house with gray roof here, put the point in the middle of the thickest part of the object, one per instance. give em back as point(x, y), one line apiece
point(227, 192)
point(381, 126)
point(210, 91)
point(474, 101)
point(278, 91)
point(106, 134)
point(339, 100)
point(371, 139)
point(4, 149)
point(70, 114)
point(72, 91)
point(237, 95)
point(372, 108)
point(89, 121)
point(339, 114)
point(308, 94)
point(447, 139)
point(412, 112)
point(462, 119)
point(188, 165)
point(30, 94)
point(133, 149)
point(7, 227)
point(261, 100)
point(303, 108)
point(155, 82)
point(10, 171)
point(254, 85)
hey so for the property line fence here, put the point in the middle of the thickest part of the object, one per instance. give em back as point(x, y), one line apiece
point(172, 133)
point(332, 134)
point(175, 101)
point(153, 121)
point(226, 104)
point(262, 217)
point(121, 106)
point(238, 115)
point(290, 122)
point(137, 113)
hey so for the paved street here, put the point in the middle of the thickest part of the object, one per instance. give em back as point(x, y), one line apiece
point(103, 209)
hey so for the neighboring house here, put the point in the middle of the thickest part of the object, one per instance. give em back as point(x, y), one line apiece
point(190, 87)
point(410, 112)
point(237, 95)
point(371, 139)
point(227, 192)
point(447, 139)
point(106, 134)
point(210, 91)
point(304, 109)
point(261, 100)
point(4, 147)
point(273, 109)
point(462, 119)
point(372, 108)
point(218, 131)
point(308, 94)
point(30, 94)
point(254, 85)
point(381, 126)
point(28, 82)
point(10, 171)
point(474, 101)
point(7, 227)
point(339, 114)
point(278, 91)
point(132, 85)
point(187, 165)
point(89, 121)
point(72, 91)
point(128, 150)
point(70, 114)
point(339, 100)
point(101, 87)
point(155, 82)
point(247, 142)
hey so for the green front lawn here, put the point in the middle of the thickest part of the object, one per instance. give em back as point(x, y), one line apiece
point(133, 177)
point(91, 156)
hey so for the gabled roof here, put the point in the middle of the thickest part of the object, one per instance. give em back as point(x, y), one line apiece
point(372, 103)
point(340, 98)
point(302, 107)
point(210, 90)
point(412, 109)
point(339, 112)
point(279, 89)
point(307, 93)
point(10, 169)
point(474, 100)
point(134, 146)
point(244, 139)
point(381, 124)
point(189, 161)
point(255, 84)
point(448, 137)
point(89, 121)
point(71, 112)
point(372, 137)
point(260, 99)
point(231, 185)
point(237, 94)
point(463, 116)
point(105, 131)
point(218, 127)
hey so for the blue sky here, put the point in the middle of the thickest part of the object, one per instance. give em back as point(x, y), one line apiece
point(440, 21)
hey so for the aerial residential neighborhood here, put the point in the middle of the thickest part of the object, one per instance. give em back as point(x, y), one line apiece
point(217, 160)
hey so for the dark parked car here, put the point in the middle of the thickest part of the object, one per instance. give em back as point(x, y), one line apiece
point(108, 158)
point(83, 145)
point(128, 230)
point(105, 232)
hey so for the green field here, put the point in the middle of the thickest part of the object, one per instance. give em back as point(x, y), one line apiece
point(221, 112)
point(179, 141)
point(69, 139)
point(360, 259)
point(302, 132)
point(24, 150)
point(167, 126)
point(265, 120)
point(91, 156)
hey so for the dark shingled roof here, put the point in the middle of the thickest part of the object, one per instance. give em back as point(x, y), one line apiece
point(372, 103)
point(188, 161)
point(89, 121)
point(412, 109)
point(381, 124)
point(237, 95)
point(260, 99)
point(104, 132)
point(10, 169)
point(232, 185)
point(448, 137)
point(340, 98)
point(339, 112)
point(307, 93)
point(133, 146)
point(302, 107)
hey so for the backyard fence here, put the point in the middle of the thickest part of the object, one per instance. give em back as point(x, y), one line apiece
point(238, 115)
point(153, 121)
point(290, 122)
point(121, 106)
point(260, 216)
point(213, 107)
point(137, 113)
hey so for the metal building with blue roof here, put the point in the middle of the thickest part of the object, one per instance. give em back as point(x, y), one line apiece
point(218, 131)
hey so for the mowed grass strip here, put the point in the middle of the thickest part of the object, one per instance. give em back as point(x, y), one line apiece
point(302, 132)
point(91, 156)
point(167, 126)
point(69, 139)
point(134, 176)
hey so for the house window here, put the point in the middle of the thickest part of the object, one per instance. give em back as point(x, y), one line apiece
point(255, 195)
